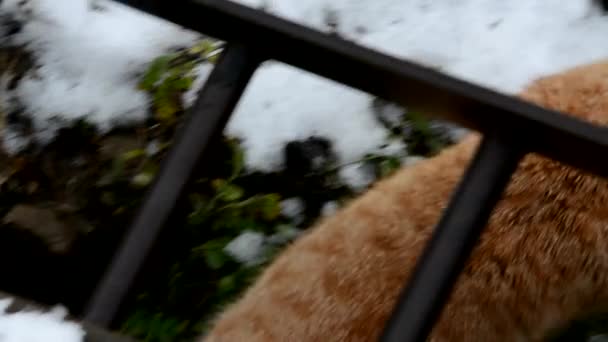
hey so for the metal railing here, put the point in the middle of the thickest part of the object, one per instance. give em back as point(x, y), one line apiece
point(511, 129)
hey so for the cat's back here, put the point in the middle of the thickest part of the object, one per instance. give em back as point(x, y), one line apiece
point(537, 265)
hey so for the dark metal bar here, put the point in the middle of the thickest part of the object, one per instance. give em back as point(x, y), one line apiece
point(427, 91)
point(149, 6)
point(207, 119)
point(453, 240)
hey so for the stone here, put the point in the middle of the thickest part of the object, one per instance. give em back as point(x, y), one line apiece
point(44, 223)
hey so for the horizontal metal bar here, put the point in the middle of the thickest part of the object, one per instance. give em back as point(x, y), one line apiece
point(453, 240)
point(149, 6)
point(207, 119)
point(422, 89)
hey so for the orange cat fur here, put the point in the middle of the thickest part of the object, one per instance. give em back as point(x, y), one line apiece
point(542, 261)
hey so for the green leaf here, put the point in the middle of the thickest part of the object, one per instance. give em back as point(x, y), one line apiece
point(155, 72)
point(213, 58)
point(182, 83)
point(231, 192)
point(156, 327)
point(197, 201)
point(203, 47)
point(133, 154)
point(212, 250)
point(198, 217)
point(215, 259)
point(226, 284)
point(115, 172)
point(238, 159)
point(226, 191)
point(217, 184)
point(270, 207)
point(388, 166)
point(165, 103)
point(142, 179)
point(423, 135)
point(108, 198)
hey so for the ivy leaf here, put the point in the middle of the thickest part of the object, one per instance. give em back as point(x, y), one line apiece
point(213, 58)
point(196, 218)
point(215, 259)
point(197, 201)
point(388, 166)
point(226, 285)
point(142, 179)
point(231, 193)
point(270, 207)
point(226, 191)
point(155, 72)
point(182, 82)
point(217, 184)
point(203, 47)
point(133, 154)
point(213, 252)
point(117, 169)
point(238, 159)
point(165, 103)
point(108, 198)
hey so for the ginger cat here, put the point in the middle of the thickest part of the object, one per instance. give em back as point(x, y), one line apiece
point(542, 261)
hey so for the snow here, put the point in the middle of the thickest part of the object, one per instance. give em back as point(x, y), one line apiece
point(284, 234)
point(250, 247)
point(36, 326)
point(329, 208)
point(89, 62)
point(293, 208)
point(247, 248)
point(392, 147)
point(90, 55)
point(357, 175)
point(282, 104)
point(411, 160)
point(499, 44)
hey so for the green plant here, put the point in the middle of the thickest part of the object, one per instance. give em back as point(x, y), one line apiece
point(202, 276)
point(169, 76)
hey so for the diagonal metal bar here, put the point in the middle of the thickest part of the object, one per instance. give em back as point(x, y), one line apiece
point(421, 89)
point(150, 6)
point(453, 240)
point(207, 119)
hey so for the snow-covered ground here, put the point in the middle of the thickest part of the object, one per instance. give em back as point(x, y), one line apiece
point(90, 54)
point(499, 44)
point(36, 326)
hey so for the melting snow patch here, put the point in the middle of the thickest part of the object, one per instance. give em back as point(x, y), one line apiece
point(89, 56)
point(293, 208)
point(358, 175)
point(36, 326)
point(247, 248)
point(283, 104)
point(330, 208)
